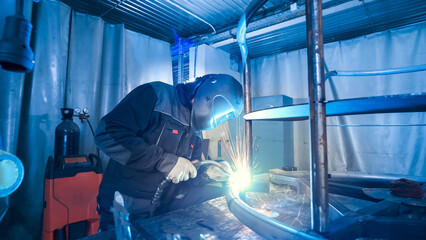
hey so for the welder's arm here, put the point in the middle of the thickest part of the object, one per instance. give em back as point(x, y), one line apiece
point(116, 134)
point(182, 171)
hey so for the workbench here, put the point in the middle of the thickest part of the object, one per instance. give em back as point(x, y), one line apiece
point(208, 220)
point(213, 220)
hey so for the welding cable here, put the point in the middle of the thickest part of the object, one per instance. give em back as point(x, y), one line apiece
point(155, 202)
point(165, 183)
point(93, 133)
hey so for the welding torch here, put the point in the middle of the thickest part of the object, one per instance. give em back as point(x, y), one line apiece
point(164, 184)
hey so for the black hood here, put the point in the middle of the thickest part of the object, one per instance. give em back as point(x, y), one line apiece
point(186, 91)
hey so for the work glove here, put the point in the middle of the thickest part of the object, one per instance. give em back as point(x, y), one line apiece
point(218, 172)
point(182, 171)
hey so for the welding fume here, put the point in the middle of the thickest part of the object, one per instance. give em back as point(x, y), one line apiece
point(153, 138)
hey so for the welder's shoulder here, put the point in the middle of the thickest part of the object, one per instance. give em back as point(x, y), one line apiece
point(155, 89)
point(145, 93)
point(162, 88)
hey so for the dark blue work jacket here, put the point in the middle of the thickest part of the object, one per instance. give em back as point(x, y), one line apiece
point(144, 135)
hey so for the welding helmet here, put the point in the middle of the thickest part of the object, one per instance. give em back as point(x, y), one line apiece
point(218, 98)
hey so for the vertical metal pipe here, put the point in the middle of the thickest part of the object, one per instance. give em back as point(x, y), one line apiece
point(11, 90)
point(318, 131)
point(182, 67)
point(247, 109)
point(20, 7)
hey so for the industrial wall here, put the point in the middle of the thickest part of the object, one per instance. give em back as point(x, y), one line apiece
point(378, 143)
point(80, 61)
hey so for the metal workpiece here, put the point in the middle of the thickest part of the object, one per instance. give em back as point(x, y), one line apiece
point(300, 182)
point(267, 227)
point(208, 220)
point(318, 131)
point(384, 220)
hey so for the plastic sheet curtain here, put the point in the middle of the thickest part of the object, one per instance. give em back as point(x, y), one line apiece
point(83, 62)
point(392, 143)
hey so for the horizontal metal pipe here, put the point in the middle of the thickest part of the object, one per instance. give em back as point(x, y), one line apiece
point(376, 72)
point(359, 177)
point(377, 125)
point(192, 14)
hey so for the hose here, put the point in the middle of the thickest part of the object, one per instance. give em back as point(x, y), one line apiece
point(165, 183)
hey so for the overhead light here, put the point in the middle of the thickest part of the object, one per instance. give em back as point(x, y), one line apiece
point(16, 54)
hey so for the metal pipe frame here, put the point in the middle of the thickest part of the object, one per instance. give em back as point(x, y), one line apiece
point(318, 130)
point(248, 123)
point(363, 223)
point(319, 184)
point(245, 19)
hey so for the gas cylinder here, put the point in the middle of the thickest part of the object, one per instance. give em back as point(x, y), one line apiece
point(67, 135)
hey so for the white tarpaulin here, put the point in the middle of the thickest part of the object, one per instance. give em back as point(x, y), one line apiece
point(80, 61)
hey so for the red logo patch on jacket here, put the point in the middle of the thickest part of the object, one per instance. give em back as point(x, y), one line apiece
point(175, 131)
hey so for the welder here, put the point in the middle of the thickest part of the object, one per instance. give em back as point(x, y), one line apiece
point(154, 135)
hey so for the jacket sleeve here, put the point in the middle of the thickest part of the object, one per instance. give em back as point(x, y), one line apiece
point(116, 134)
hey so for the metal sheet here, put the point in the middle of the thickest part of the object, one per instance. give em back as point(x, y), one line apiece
point(385, 193)
point(217, 222)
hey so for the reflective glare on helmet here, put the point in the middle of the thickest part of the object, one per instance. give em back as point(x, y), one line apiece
point(222, 111)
